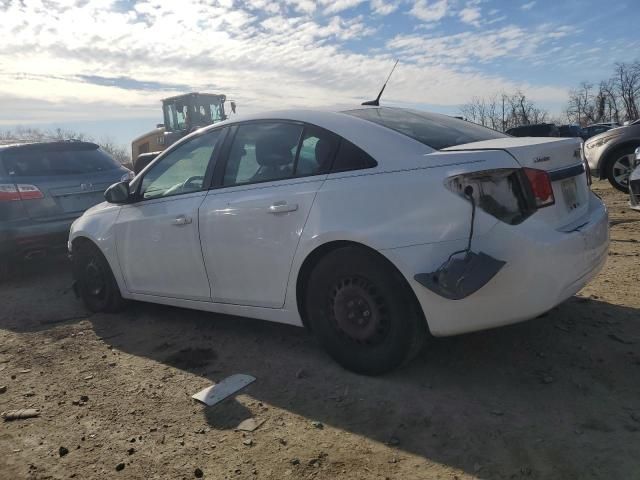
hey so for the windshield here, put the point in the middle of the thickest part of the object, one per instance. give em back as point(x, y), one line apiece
point(432, 129)
point(35, 163)
point(184, 115)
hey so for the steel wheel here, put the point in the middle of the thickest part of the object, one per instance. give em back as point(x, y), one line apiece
point(95, 279)
point(363, 312)
point(358, 311)
point(96, 284)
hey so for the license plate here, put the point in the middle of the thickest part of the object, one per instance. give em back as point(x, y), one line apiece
point(570, 193)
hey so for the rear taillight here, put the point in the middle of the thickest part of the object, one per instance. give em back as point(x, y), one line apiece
point(10, 192)
point(29, 192)
point(541, 188)
point(502, 193)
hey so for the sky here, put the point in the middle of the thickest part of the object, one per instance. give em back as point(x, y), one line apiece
point(103, 66)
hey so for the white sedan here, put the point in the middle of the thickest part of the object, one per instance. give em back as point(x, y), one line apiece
point(374, 227)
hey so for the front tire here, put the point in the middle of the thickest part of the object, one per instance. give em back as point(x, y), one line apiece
point(618, 168)
point(96, 285)
point(363, 312)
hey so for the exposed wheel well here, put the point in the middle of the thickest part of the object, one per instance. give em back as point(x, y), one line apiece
point(82, 242)
point(320, 252)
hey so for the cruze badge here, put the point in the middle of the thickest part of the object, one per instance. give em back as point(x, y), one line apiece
point(541, 159)
point(86, 186)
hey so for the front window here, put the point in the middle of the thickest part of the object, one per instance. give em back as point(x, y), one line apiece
point(183, 170)
point(434, 130)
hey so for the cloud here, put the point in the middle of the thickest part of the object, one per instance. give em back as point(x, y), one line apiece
point(470, 15)
point(335, 6)
point(429, 11)
point(382, 7)
point(468, 47)
point(111, 58)
point(528, 5)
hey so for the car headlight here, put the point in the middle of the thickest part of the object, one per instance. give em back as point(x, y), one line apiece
point(127, 176)
point(600, 142)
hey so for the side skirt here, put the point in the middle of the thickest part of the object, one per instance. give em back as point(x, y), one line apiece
point(278, 315)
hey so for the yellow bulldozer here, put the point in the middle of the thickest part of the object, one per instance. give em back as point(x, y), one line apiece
point(182, 115)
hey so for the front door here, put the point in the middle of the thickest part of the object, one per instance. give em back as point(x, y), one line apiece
point(251, 226)
point(157, 237)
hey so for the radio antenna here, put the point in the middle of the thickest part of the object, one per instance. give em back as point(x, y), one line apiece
point(376, 102)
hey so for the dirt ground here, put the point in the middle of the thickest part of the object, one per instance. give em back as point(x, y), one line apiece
point(553, 398)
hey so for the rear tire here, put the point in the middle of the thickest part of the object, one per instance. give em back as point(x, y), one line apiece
point(363, 312)
point(96, 284)
point(618, 168)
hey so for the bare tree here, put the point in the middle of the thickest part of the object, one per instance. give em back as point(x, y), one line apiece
point(617, 98)
point(502, 111)
point(627, 81)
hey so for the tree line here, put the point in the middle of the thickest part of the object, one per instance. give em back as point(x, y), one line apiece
point(26, 134)
point(616, 99)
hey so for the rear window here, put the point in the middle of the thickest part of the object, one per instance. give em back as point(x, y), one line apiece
point(432, 129)
point(35, 163)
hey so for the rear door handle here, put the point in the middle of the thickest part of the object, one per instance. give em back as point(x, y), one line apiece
point(283, 207)
point(181, 220)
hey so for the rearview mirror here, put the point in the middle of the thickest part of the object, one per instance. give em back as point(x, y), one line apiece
point(117, 193)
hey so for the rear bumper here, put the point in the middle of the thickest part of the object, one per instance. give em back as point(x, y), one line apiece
point(24, 237)
point(543, 268)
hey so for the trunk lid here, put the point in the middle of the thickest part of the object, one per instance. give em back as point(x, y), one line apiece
point(562, 159)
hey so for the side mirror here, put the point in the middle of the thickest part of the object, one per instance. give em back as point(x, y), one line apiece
point(117, 193)
point(637, 157)
point(159, 125)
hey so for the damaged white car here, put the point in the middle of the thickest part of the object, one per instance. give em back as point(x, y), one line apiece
point(373, 227)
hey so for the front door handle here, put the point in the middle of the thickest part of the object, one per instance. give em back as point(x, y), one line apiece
point(283, 207)
point(181, 220)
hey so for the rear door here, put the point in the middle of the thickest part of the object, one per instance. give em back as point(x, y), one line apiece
point(251, 224)
point(61, 181)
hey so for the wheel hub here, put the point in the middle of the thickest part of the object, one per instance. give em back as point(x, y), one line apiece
point(358, 311)
point(622, 169)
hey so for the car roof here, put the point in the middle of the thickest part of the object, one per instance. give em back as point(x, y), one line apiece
point(377, 140)
point(57, 145)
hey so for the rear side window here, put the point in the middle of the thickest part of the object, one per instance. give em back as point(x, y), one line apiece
point(432, 129)
point(350, 157)
point(317, 151)
point(35, 163)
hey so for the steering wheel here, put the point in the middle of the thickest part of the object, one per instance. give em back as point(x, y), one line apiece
point(189, 183)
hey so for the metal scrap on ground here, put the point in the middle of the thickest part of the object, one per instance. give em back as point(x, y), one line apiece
point(20, 414)
point(227, 387)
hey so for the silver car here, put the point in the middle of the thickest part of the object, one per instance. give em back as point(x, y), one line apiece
point(611, 154)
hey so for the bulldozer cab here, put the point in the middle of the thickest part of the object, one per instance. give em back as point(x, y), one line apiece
point(182, 115)
point(185, 113)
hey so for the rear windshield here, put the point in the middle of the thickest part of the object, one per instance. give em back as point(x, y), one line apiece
point(35, 163)
point(434, 130)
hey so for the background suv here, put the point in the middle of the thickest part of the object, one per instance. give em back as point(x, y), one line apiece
point(611, 154)
point(44, 187)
